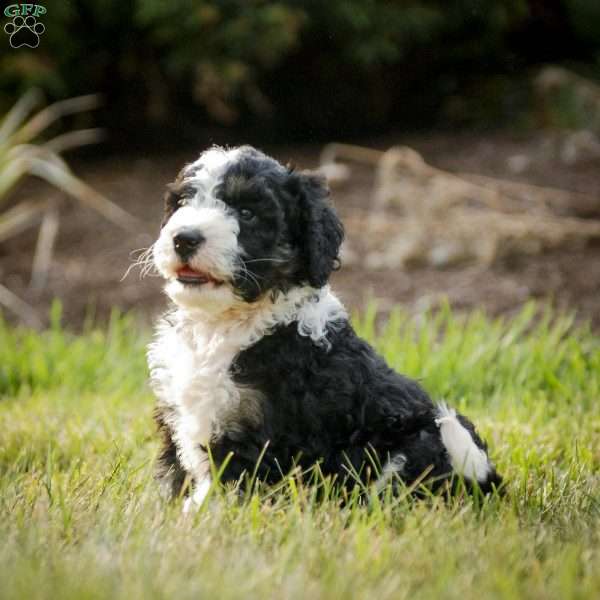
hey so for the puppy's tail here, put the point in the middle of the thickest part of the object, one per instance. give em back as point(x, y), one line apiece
point(467, 452)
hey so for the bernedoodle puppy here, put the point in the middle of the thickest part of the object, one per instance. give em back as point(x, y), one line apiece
point(257, 364)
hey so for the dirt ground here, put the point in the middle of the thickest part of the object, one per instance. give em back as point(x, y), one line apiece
point(92, 255)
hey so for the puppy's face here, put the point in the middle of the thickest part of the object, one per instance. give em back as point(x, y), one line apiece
point(239, 226)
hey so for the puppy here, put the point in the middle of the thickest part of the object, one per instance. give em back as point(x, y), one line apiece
point(258, 366)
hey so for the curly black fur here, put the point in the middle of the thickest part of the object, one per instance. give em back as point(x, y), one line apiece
point(343, 408)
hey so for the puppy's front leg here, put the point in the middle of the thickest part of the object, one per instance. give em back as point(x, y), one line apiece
point(199, 493)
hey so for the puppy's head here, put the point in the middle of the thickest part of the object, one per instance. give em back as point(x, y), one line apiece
point(239, 226)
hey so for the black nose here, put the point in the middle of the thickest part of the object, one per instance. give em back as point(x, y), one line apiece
point(186, 242)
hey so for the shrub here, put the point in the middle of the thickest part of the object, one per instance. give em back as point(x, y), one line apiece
point(313, 64)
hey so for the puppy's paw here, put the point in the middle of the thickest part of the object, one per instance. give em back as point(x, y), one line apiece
point(194, 502)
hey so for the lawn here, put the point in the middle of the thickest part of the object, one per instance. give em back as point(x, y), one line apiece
point(80, 516)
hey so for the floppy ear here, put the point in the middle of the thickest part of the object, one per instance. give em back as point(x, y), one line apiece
point(321, 232)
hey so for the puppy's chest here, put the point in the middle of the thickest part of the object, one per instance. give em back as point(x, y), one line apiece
point(198, 386)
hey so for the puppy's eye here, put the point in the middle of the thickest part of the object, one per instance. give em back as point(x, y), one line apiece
point(185, 196)
point(246, 214)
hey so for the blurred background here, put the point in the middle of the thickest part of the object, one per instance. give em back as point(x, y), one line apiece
point(461, 140)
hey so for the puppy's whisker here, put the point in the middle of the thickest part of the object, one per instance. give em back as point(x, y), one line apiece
point(140, 251)
point(251, 279)
point(248, 276)
point(144, 261)
point(274, 260)
point(128, 270)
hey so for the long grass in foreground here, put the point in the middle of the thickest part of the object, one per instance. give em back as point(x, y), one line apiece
point(80, 516)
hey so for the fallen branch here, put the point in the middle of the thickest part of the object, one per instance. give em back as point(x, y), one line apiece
point(453, 217)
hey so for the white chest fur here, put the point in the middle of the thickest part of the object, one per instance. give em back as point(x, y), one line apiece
point(190, 374)
point(191, 357)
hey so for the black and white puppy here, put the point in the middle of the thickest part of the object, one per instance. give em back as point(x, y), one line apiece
point(258, 359)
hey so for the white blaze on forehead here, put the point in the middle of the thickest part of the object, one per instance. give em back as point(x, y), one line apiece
point(208, 171)
point(218, 227)
point(214, 159)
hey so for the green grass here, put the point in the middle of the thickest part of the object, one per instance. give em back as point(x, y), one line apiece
point(80, 516)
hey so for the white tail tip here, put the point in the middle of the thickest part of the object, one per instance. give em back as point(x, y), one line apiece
point(466, 457)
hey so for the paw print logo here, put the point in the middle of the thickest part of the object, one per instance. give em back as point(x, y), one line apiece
point(24, 31)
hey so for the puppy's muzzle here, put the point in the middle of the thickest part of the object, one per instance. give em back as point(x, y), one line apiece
point(186, 242)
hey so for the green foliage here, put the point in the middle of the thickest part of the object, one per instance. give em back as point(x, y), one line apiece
point(243, 57)
point(212, 51)
point(80, 516)
point(483, 363)
point(102, 359)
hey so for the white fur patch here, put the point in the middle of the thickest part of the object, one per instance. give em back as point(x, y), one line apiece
point(393, 468)
point(318, 314)
point(210, 164)
point(194, 501)
point(466, 457)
